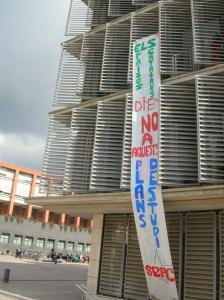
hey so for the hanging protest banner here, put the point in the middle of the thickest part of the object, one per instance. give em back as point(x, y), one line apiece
point(145, 190)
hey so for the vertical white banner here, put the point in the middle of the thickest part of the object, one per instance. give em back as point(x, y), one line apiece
point(146, 193)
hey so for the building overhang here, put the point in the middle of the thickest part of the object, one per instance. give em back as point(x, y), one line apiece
point(209, 197)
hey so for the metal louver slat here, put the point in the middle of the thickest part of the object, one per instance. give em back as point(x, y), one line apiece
point(115, 58)
point(112, 259)
point(143, 2)
point(65, 91)
point(178, 136)
point(142, 25)
point(97, 12)
point(176, 55)
point(135, 286)
point(174, 223)
point(76, 23)
point(210, 105)
point(208, 26)
point(120, 7)
point(221, 236)
point(56, 153)
point(90, 65)
point(126, 152)
point(107, 152)
point(200, 256)
point(79, 157)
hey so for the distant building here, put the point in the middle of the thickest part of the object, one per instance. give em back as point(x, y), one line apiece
point(30, 227)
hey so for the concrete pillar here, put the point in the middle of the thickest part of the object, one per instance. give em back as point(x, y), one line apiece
point(34, 246)
point(95, 254)
point(11, 238)
point(31, 194)
point(56, 243)
point(46, 216)
point(89, 223)
point(13, 193)
point(29, 211)
point(66, 246)
point(62, 219)
point(77, 222)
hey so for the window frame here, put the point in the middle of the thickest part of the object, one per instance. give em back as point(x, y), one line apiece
point(3, 238)
point(38, 244)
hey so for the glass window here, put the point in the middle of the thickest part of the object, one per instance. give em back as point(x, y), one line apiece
point(70, 246)
point(17, 239)
point(4, 238)
point(61, 245)
point(28, 241)
point(40, 243)
point(88, 247)
point(80, 247)
point(50, 244)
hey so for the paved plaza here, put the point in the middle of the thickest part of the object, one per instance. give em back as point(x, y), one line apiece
point(31, 280)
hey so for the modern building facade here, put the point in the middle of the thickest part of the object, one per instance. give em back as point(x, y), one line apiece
point(89, 141)
point(31, 227)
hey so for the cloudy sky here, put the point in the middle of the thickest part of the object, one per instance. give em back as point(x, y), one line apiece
point(31, 32)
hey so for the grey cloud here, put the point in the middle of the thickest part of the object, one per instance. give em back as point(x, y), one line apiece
point(32, 31)
point(22, 149)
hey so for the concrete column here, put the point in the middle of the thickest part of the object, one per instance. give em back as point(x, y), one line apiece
point(95, 254)
point(22, 242)
point(46, 216)
point(77, 222)
point(62, 219)
point(34, 246)
point(11, 238)
point(66, 246)
point(31, 194)
point(56, 244)
point(29, 211)
point(13, 193)
point(88, 223)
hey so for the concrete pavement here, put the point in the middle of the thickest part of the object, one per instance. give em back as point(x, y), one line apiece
point(42, 281)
